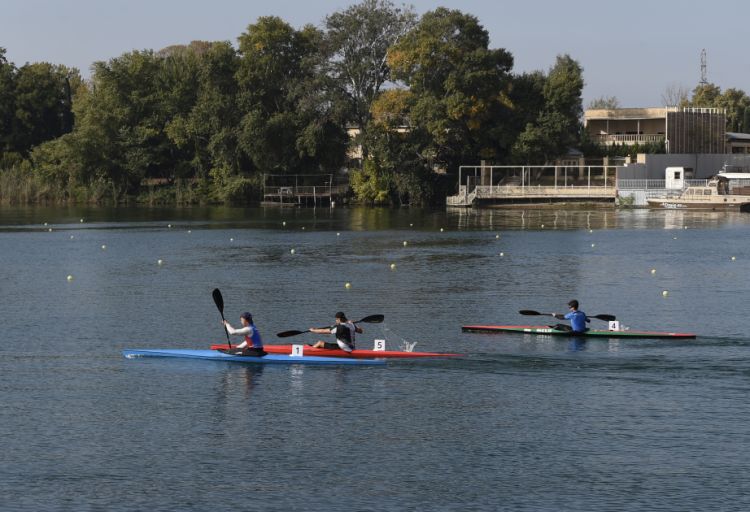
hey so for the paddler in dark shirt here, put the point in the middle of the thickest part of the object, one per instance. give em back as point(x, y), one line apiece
point(344, 330)
point(577, 319)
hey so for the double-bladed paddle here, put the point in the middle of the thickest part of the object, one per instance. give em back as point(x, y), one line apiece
point(372, 319)
point(606, 318)
point(219, 301)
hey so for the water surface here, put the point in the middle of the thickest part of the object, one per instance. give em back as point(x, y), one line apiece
point(519, 423)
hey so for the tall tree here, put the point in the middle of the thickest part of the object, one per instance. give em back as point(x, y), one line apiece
point(7, 101)
point(459, 88)
point(558, 126)
point(358, 40)
point(43, 96)
point(288, 123)
point(675, 95)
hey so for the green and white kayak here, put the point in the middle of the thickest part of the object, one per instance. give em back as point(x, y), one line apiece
point(546, 330)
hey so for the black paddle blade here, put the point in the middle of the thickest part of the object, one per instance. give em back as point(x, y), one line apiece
point(372, 319)
point(218, 300)
point(606, 318)
point(530, 312)
point(286, 334)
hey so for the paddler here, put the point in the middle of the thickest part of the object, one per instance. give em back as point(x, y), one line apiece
point(344, 330)
point(253, 344)
point(577, 319)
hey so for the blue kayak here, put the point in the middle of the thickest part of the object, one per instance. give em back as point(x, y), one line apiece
point(214, 355)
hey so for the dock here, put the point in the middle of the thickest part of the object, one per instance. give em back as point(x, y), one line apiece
point(291, 191)
point(497, 186)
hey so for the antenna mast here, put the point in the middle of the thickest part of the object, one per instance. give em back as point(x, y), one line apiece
point(704, 78)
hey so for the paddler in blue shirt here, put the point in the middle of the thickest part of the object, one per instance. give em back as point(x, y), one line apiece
point(253, 344)
point(344, 330)
point(577, 319)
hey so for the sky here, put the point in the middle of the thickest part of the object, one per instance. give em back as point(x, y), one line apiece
point(631, 50)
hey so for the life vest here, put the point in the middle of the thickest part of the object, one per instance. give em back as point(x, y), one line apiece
point(345, 333)
point(254, 340)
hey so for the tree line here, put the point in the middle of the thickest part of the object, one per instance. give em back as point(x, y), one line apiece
point(421, 96)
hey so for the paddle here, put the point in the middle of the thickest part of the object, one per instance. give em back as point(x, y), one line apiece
point(372, 319)
point(219, 301)
point(606, 318)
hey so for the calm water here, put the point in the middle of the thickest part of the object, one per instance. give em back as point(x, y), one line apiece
point(520, 423)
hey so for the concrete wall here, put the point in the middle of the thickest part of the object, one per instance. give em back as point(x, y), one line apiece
point(703, 165)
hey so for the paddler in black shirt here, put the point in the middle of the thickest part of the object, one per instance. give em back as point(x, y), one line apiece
point(344, 330)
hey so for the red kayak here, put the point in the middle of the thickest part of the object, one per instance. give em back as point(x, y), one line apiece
point(357, 354)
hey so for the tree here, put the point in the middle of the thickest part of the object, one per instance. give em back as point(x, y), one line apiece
point(288, 121)
point(459, 89)
point(735, 102)
point(7, 101)
point(705, 95)
point(358, 41)
point(43, 95)
point(674, 95)
point(558, 125)
point(604, 103)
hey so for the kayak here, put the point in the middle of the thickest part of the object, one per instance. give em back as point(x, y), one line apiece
point(214, 355)
point(356, 354)
point(549, 331)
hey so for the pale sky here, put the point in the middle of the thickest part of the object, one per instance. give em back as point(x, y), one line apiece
point(632, 50)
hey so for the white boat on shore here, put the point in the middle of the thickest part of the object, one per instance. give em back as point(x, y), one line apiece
point(715, 195)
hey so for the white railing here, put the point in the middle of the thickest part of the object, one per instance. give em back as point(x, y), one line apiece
point(499, 191)
point(654, 184)
point(630, 137)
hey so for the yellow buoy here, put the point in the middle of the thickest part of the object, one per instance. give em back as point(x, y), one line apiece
point(733, 258)
point(441, 230)
point(159, 262)
point(70, 277)
point(393, 266)
point(653, 271)
point(665, 293)
point(411, 225)
point(348, 285)
point(542, 226)
point(406, 243)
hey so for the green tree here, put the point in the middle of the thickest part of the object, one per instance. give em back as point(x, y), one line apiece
point(734, 101)
point(705, 95)
point(43, 95)
point(459, 89)
point(558, 125)
point(358, 41)
point(288, 124)
point(7, 101)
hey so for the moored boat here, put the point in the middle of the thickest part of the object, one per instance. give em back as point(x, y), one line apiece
point(215, 355)
point(550, 331)
point(715, 195)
